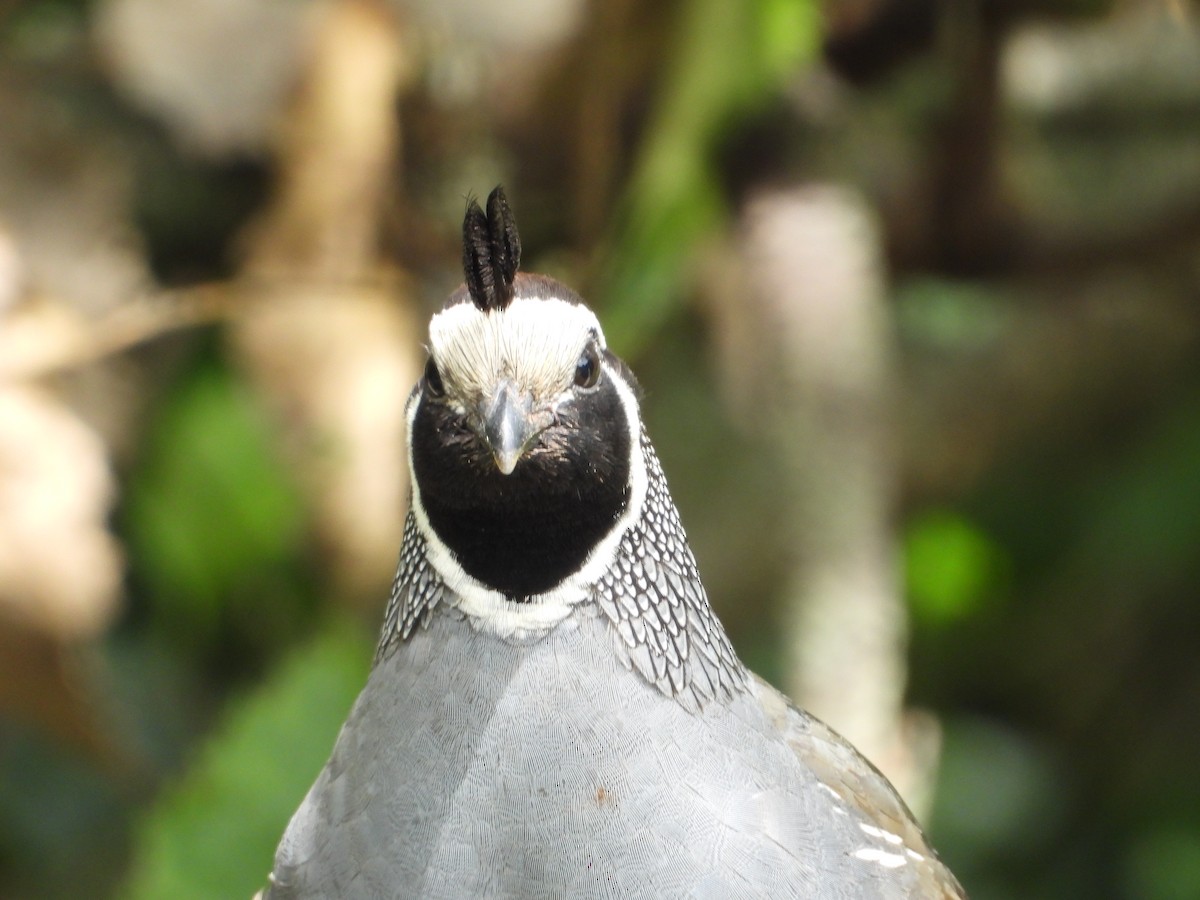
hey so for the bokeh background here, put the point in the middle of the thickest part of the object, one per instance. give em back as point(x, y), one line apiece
point(912, 287)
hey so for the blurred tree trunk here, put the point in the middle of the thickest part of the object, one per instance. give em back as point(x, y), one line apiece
point(334, 348)
point(812, 330)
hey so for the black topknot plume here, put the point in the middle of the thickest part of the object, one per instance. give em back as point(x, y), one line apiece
point(491, 251)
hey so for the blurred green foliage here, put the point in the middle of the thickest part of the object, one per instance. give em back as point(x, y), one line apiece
point(1000, 798)
point(950, 316)
point(213, 516)
point(1144, 510)
point(728, 60)
point(1164, 864)
point(213, 834)
point(951, 566)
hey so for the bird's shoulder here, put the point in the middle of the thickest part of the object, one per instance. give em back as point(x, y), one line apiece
point(859, 790)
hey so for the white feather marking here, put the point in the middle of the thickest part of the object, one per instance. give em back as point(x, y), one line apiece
point(830, 791)
point(893, 839)
point(885, 859)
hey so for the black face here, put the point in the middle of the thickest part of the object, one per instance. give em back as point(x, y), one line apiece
point(523, 533)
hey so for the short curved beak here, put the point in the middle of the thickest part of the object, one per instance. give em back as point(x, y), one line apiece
point(510, 425)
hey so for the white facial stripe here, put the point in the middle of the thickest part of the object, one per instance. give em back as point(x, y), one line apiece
point(491, 610)
point(535, 342)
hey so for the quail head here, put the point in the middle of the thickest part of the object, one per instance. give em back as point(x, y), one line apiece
point(554, 709)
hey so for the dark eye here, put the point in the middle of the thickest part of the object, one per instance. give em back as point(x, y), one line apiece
point(587, 370)
point(433, 380)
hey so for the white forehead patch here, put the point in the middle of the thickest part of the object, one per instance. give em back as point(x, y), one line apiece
point(535, 342)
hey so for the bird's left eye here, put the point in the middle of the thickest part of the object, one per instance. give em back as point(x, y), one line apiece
point(587, 370)
point(433, 380)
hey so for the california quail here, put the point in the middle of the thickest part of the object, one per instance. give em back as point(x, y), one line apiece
point(554, 709)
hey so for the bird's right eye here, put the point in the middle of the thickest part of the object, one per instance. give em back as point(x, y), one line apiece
point(587, 370)
point(433, 380)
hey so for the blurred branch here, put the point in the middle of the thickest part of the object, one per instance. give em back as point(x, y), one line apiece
point(43, 337)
